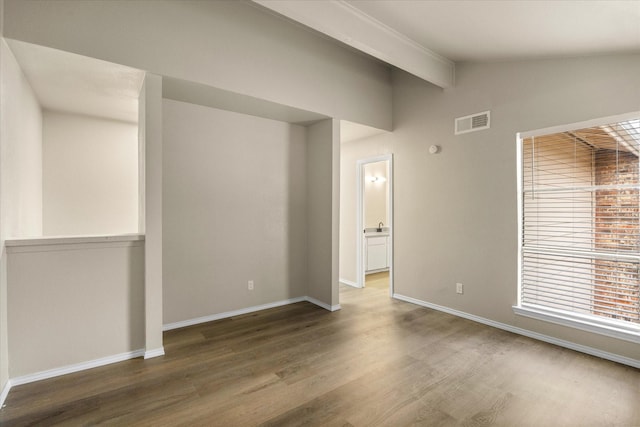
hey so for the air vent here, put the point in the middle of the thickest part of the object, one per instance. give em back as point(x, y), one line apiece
point(473, 122)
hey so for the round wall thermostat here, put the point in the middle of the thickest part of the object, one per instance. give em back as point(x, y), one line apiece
point(434, 149)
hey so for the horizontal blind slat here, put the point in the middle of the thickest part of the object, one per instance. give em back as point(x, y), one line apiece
point(581, 221)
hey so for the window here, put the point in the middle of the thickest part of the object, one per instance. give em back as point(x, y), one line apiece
point(580, 226)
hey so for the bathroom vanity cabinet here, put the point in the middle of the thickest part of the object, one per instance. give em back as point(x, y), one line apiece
point(377, 252)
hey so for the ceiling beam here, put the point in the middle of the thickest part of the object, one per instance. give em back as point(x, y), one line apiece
point(208, 96)
point(343, 22)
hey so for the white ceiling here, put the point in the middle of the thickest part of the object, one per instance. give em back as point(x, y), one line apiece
point(506, 30)
point(427, 38)
point(350, 131)
point(73, 83)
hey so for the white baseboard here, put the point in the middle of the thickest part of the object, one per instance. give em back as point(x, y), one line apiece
point(5, 393)
point(323, 305)
point(540, 337)
point(349, 283)
point(227, 314)
point(56, 372)
point(148, 354)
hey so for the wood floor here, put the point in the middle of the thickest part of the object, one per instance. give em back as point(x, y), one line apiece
point(377, 280)
point(375, 362)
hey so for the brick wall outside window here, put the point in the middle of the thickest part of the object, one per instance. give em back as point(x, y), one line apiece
point(617, 225)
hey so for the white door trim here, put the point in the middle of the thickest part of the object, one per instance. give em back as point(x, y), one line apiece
point(360, 217)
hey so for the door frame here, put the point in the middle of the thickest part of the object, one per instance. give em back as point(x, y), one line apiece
point(360, 241)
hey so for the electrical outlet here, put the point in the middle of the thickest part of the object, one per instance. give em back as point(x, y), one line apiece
point(250, 285)
point(459, 288)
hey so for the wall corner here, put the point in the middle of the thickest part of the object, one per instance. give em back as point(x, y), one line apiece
point(151, 106)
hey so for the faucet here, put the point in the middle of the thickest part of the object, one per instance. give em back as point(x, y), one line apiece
point(379, 229)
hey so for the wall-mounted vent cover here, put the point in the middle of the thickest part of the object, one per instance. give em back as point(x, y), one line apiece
point(473, 122)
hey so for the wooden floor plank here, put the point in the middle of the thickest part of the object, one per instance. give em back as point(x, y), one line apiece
point(377, 361)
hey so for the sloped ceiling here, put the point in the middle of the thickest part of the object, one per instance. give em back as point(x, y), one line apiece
point(427, 38)
point(71, 83)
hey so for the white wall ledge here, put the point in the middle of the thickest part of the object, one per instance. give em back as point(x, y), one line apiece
point(49, 244)
point(61, 240)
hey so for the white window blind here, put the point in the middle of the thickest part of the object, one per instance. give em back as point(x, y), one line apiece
point(581, 222)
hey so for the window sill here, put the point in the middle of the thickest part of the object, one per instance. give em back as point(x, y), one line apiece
point(610, 328)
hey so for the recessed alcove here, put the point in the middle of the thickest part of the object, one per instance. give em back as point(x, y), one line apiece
point(76, 143)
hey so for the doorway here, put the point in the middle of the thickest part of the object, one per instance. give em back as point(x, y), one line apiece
point(374, 179)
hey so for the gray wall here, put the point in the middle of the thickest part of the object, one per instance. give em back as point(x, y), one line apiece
point(4, 347)
point(20, 174)
point(150, 126)
point(4, 353)
point(234, 209)
point(89, 175)
point(323, 207)
point(246, 198)
point(81, 302)
point(21, 133)
point(231, 45)
point(456, 212)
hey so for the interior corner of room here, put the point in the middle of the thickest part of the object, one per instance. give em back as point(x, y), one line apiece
point(101, 218)
point(143, 190)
